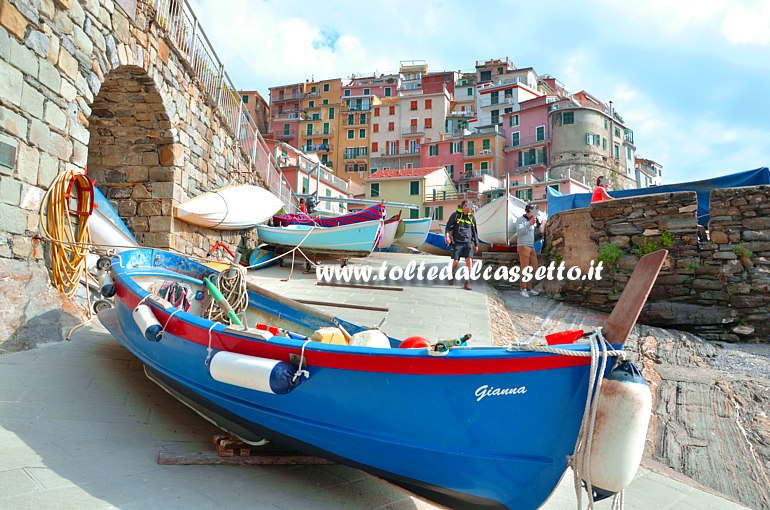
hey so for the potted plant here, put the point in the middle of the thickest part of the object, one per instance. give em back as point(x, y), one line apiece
point(744, 256)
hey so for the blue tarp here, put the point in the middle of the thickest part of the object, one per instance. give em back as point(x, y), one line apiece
point(558, 202)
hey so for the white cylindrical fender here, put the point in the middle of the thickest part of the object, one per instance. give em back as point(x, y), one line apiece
point(148, 324)
point(620, 430)
point(106, 285)
point(370, 338)
point(261, 374)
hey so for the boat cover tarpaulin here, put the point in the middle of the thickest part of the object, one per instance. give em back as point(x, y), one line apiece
point(375, 212)
point(558, 202)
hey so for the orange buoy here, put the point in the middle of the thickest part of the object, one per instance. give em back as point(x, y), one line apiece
point(414, 342)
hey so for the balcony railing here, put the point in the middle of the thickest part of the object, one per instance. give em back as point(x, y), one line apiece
point(318, 132)
point(440, 196)
point(284, 98)
point(525, 142)
point(483, 153)
point(501, 101)
point(461, 114)
point(415, 152)
point(413, 130)
point(186, 36)
point(283, 136)
point(321, 147)
point(356, 154)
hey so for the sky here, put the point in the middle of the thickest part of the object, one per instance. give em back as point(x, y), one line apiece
point(690, 77)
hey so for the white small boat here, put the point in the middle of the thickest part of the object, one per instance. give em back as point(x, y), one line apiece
point(107, 228)
point(389, 231)
point(415, 231)
point(496, 221)
point(234, 207)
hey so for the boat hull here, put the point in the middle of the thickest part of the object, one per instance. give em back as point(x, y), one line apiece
point(435, 244)
point(476, 428)
point(415, 232)
point(356, 239)
point(388, 233)
point(230, 208)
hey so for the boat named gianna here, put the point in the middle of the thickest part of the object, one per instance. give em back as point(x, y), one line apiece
point(453, 425)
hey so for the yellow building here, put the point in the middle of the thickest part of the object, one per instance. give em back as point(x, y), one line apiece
point(417, 186)
point(320, 128)
point(355, 135)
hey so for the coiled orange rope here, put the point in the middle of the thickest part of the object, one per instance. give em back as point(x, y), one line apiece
point(66, 229)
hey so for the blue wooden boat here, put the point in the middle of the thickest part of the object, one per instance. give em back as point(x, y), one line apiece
point(435, 244)
point(475, 427)
point(353, 240)
point(263, 257)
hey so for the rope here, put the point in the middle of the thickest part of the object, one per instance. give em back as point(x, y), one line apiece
point(600, 351)
point(208, 349)
point(69, 239)
point(301, 371)
point(169, 320)
point(232, 284)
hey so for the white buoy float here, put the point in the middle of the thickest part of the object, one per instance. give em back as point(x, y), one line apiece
point(148, 324)
point(370, 338)
point(261, 374)
point(620, 430)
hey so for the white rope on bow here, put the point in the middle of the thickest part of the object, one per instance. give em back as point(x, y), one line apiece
point(301, 371)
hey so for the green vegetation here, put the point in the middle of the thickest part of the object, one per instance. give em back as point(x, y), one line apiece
point(742, 251)
point(692, 266)
point(653, 244)
point(666, 239)
point(609, 254)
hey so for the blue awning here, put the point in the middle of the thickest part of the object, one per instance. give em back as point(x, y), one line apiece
point(558, 202)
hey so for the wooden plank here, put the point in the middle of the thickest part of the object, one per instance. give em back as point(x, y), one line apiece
point(623, 317)
point(354, 286)
point(264, 459)
point(345, 305)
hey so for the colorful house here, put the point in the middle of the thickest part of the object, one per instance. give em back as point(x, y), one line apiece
point(285, 113)
point(430, 188)
point(320, 127)
point(257, 108)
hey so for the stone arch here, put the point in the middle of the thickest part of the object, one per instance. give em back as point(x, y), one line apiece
point(132, 155)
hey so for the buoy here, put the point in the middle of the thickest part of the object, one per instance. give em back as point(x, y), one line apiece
point(370, 338)
point(261, 374)
point(620, 430)
point(564, 337)
point(106, 285)
point(329, 335)
point(272, 329)
point(148, 324)
point(414, 342)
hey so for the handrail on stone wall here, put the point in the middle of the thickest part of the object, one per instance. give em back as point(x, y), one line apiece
point(184, 30)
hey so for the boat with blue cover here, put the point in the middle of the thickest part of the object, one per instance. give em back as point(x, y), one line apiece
point(436, 244)
point(466, 427)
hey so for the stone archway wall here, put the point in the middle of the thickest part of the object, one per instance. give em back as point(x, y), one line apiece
point(131, 152)
point(55, 58)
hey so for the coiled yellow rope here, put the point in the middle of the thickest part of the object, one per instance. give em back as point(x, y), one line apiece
point(67, 231)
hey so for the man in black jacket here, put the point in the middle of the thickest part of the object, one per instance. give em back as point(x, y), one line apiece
point(462, 236)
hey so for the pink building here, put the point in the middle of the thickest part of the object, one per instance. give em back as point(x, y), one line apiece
point(444, 153)
point(286, 112)
point(384, 85)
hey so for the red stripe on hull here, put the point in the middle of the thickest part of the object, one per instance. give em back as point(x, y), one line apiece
point(423, 365)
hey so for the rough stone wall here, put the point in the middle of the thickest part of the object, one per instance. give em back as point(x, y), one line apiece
point(83, 83)
point(590, 166)
point(705, 287)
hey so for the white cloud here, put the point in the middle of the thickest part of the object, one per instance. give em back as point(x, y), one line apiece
point(744, 25)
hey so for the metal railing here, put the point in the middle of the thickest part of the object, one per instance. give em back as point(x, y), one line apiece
point(184, 31)
point(440, 196)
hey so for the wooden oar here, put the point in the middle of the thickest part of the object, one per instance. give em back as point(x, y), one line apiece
point(313, 312)
point(623, 317)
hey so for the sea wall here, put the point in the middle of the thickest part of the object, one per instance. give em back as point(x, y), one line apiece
point(717, 287)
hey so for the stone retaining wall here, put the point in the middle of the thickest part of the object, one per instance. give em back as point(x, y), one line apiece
point(97, 84)
point(717, 288)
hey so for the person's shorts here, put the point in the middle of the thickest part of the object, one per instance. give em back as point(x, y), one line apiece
point(464, 250)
